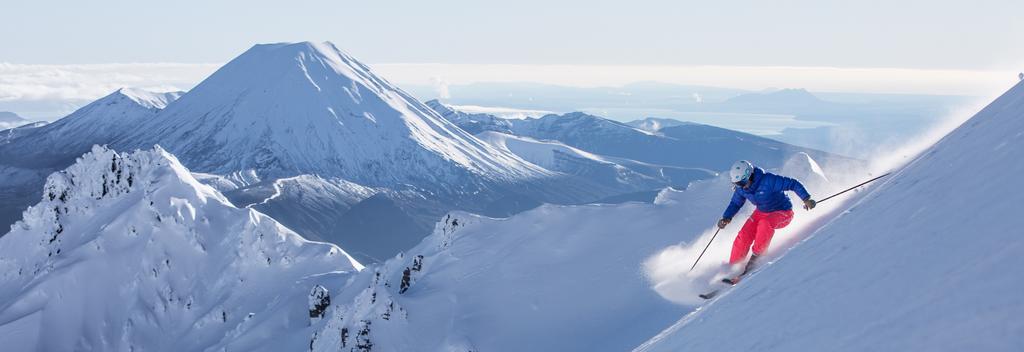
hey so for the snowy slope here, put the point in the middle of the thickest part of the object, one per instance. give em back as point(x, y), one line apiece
point(502, 112)
point(541, 153)
point(56, 145)
point(472, 123)
point(308, 108)
point(318, 208)
point(926, 262)
point(614, 172)
point(130, 252)
point(12, 133)
point(555, 278)
point(150, 99)
point(31, 152)
point(543, 280)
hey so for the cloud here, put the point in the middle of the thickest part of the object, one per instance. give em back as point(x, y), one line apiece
point(441, 87)
point(22, 82)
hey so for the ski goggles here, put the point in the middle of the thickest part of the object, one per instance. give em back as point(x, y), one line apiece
point(741, 183)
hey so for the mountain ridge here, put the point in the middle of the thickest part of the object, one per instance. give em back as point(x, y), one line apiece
point(128, 251)
point(59, 143)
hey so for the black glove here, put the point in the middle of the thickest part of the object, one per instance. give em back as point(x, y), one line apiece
point(809, 203)
point(723, 222)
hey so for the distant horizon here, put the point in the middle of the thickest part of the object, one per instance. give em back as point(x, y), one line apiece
point(882, 80)
point(72, 85)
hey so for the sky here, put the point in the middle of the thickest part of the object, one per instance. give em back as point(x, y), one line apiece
point(79, 48)
point(978, 34)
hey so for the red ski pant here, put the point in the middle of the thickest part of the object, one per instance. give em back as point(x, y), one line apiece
point(758, 230)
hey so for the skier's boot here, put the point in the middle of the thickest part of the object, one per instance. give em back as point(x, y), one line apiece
point(746, 269)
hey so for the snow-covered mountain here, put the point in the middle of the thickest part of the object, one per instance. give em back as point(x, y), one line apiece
point(686, 145)
point(12, 133)
point(31, 152)
point(612, 172)
point(659, 148)
point(57, 144)
point(472, 123)
point(623, 174)
point(925, 262)
point(308, 108)
point(127, 251)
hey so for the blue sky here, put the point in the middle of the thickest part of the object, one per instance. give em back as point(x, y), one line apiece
point(980, 34)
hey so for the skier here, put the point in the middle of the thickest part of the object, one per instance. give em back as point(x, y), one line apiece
point(774, 210)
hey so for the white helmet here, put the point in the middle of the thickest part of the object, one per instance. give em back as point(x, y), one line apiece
point(740, 171)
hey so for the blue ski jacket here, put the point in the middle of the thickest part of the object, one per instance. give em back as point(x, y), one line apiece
point(766, 192)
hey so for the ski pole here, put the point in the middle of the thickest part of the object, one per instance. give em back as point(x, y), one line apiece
point(705, 249)
point(851, 188)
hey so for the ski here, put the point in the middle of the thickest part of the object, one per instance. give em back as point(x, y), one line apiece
point(712, 294)
point(709, 295)
point(732, 281)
